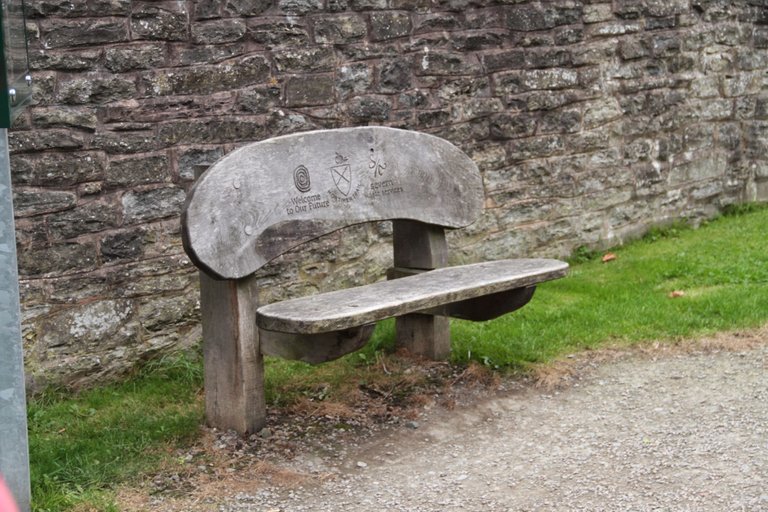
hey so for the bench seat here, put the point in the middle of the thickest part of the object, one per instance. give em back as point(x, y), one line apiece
point(425, 292)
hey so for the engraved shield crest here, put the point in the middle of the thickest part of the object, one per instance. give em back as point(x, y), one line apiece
point(342, 178)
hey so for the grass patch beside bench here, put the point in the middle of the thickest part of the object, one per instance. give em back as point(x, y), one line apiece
point(83, 445)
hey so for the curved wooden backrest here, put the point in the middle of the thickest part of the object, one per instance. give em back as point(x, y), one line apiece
point(267, 197)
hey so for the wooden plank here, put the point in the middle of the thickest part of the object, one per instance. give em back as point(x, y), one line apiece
point(264, 198)
point(314, 348)
point(343, 309)
point(233, 363)
point(486, 307)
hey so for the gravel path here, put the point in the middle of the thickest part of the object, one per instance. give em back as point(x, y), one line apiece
point(678, 433)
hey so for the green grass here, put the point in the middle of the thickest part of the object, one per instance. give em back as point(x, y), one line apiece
point(722, 269)
point(82, 445)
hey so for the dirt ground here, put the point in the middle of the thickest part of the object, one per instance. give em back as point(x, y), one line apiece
point(680, 427)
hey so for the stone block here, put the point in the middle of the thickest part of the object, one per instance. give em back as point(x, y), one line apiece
point(600, 112)
point(72, 61)
point(559, 121)
point(81, 326)
point(299, 6)
point(276, 32)
point(205, 55)
point(125, 142)
point(247, 7)
point(227, 30)
point(52, 169)
point(40, 140)
point(761, 108)
point(548, 58)
point(442, 63)
point(258, 100)
point(141, 170)
point(628, 9)
point(535, 147)
point(539, 79)
point(596, 13)
point(44, 90)
point(159, 21)
point(504, 60)
point(760, 37)
point(354, 79)
point(750, 60)
point(28, 203)
point(86, 218)
point(487, 156)
point(165, 313)
point(58, 33)
point(95, 89)
point(54, 117)
point(460, 134)
point(110, 7)
point(216, 131)
point(548, 100)
point(57, 259)
point(369, 108)
point(123, 59)
point(741, 84)
point(437, 22)
point(472, 42)
point(630, 49)
point(569, 35)
point(595, 140)
point(56, 9)
point(121, 246)
point(484, 18)
point(309, 91)
point(149, 205)
point(472, 108)
point(394, 76)
point(339, 29)
point(190, 158)
point(362, 51)
point(594, 53)
point(532, 17)
point(614, 28)
point(368, 5)
point(206, 79)
point(515, 126)
point(389, 25)
point(207, 9)
point(412, 99)
point(302, 60)
point(432, 118)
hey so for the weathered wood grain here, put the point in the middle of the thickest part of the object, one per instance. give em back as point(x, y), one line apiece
point(420, 246)
point(343, 309)
point(264, 198)
point(233, 363)
point(314, 348)
point(486, 307)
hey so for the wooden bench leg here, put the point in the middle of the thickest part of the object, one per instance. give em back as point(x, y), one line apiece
point(424, 335)
point(423, 247)
point(234, 365)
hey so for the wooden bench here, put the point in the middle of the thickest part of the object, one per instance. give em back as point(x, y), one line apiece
point(268, 197)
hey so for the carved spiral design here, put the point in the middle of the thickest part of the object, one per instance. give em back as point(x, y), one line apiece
point(301, 179)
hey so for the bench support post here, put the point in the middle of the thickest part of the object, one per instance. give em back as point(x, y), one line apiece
point(234, 365)
point(421, 246)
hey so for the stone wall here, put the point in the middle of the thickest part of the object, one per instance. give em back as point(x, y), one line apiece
point(590, 120)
